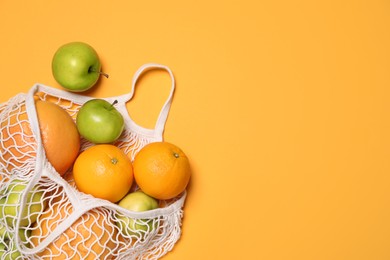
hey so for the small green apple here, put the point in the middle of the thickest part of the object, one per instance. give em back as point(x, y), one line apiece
point(8, 252)
point(10, 205)
point(76, 66)
point(8, 248)
point(99, 121)
point(24, 234)
point(137, 201)
point(5, 236)
point(3, 239)
point(3, 231)
point(3, 249)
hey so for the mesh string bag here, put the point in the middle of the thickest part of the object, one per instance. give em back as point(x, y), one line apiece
point(44, 216)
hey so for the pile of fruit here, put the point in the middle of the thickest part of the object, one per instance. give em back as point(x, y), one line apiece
point(159, 172)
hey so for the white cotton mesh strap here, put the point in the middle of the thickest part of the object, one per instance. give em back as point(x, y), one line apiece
point(165, 109)
point(56, 221)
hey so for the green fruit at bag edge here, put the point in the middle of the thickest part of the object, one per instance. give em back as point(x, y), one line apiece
point(76, 66)
point(23, 236)
point(9, 253)
point(99, 121)
point(2, 250)
point(3, 231)
point(4, 235)
point(5, 240)
point(136, 201)
point(10, 205)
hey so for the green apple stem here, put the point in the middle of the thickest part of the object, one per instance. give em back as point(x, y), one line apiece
point(114, 103)
point(103, 74)
point(100, 72)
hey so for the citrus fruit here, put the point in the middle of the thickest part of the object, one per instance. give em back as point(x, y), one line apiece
point(17, 140)
point(59, 134)
point(103, 171)
point(60, 137)
point(90, 237)
point(161, 170)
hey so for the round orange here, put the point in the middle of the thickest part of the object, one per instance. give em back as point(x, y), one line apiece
point(92, 236)
point(59, 134)
point(103, 171)
point(162, 170)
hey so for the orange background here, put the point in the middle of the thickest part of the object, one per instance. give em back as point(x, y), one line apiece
point(282, 107)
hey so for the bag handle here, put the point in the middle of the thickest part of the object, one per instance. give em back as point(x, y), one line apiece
point(39, 162)
point(165, 109)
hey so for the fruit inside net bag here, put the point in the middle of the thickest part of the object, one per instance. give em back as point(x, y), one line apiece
point(42, 213)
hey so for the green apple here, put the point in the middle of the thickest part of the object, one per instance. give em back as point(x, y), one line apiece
point(10, 205)
point(24, 234)
point(3, 249)
point(99, 121)
point(8, 248)
point(3, 239)
point(76, 66)
point(11, 253)
point(8, 252)
point(5, 236)
point(137, 201)
point(3, 231)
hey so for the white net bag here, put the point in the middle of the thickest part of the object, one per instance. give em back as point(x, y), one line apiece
point(44, 216)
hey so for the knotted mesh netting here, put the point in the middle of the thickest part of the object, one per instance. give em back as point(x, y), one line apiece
point(44, 216)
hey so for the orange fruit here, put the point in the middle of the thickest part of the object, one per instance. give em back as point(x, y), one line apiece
point(59, 134)
point(161, 170)
point(17, 144)
point(61, 139)
point(70, 107)
point(103, 171)
point(91, 236)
